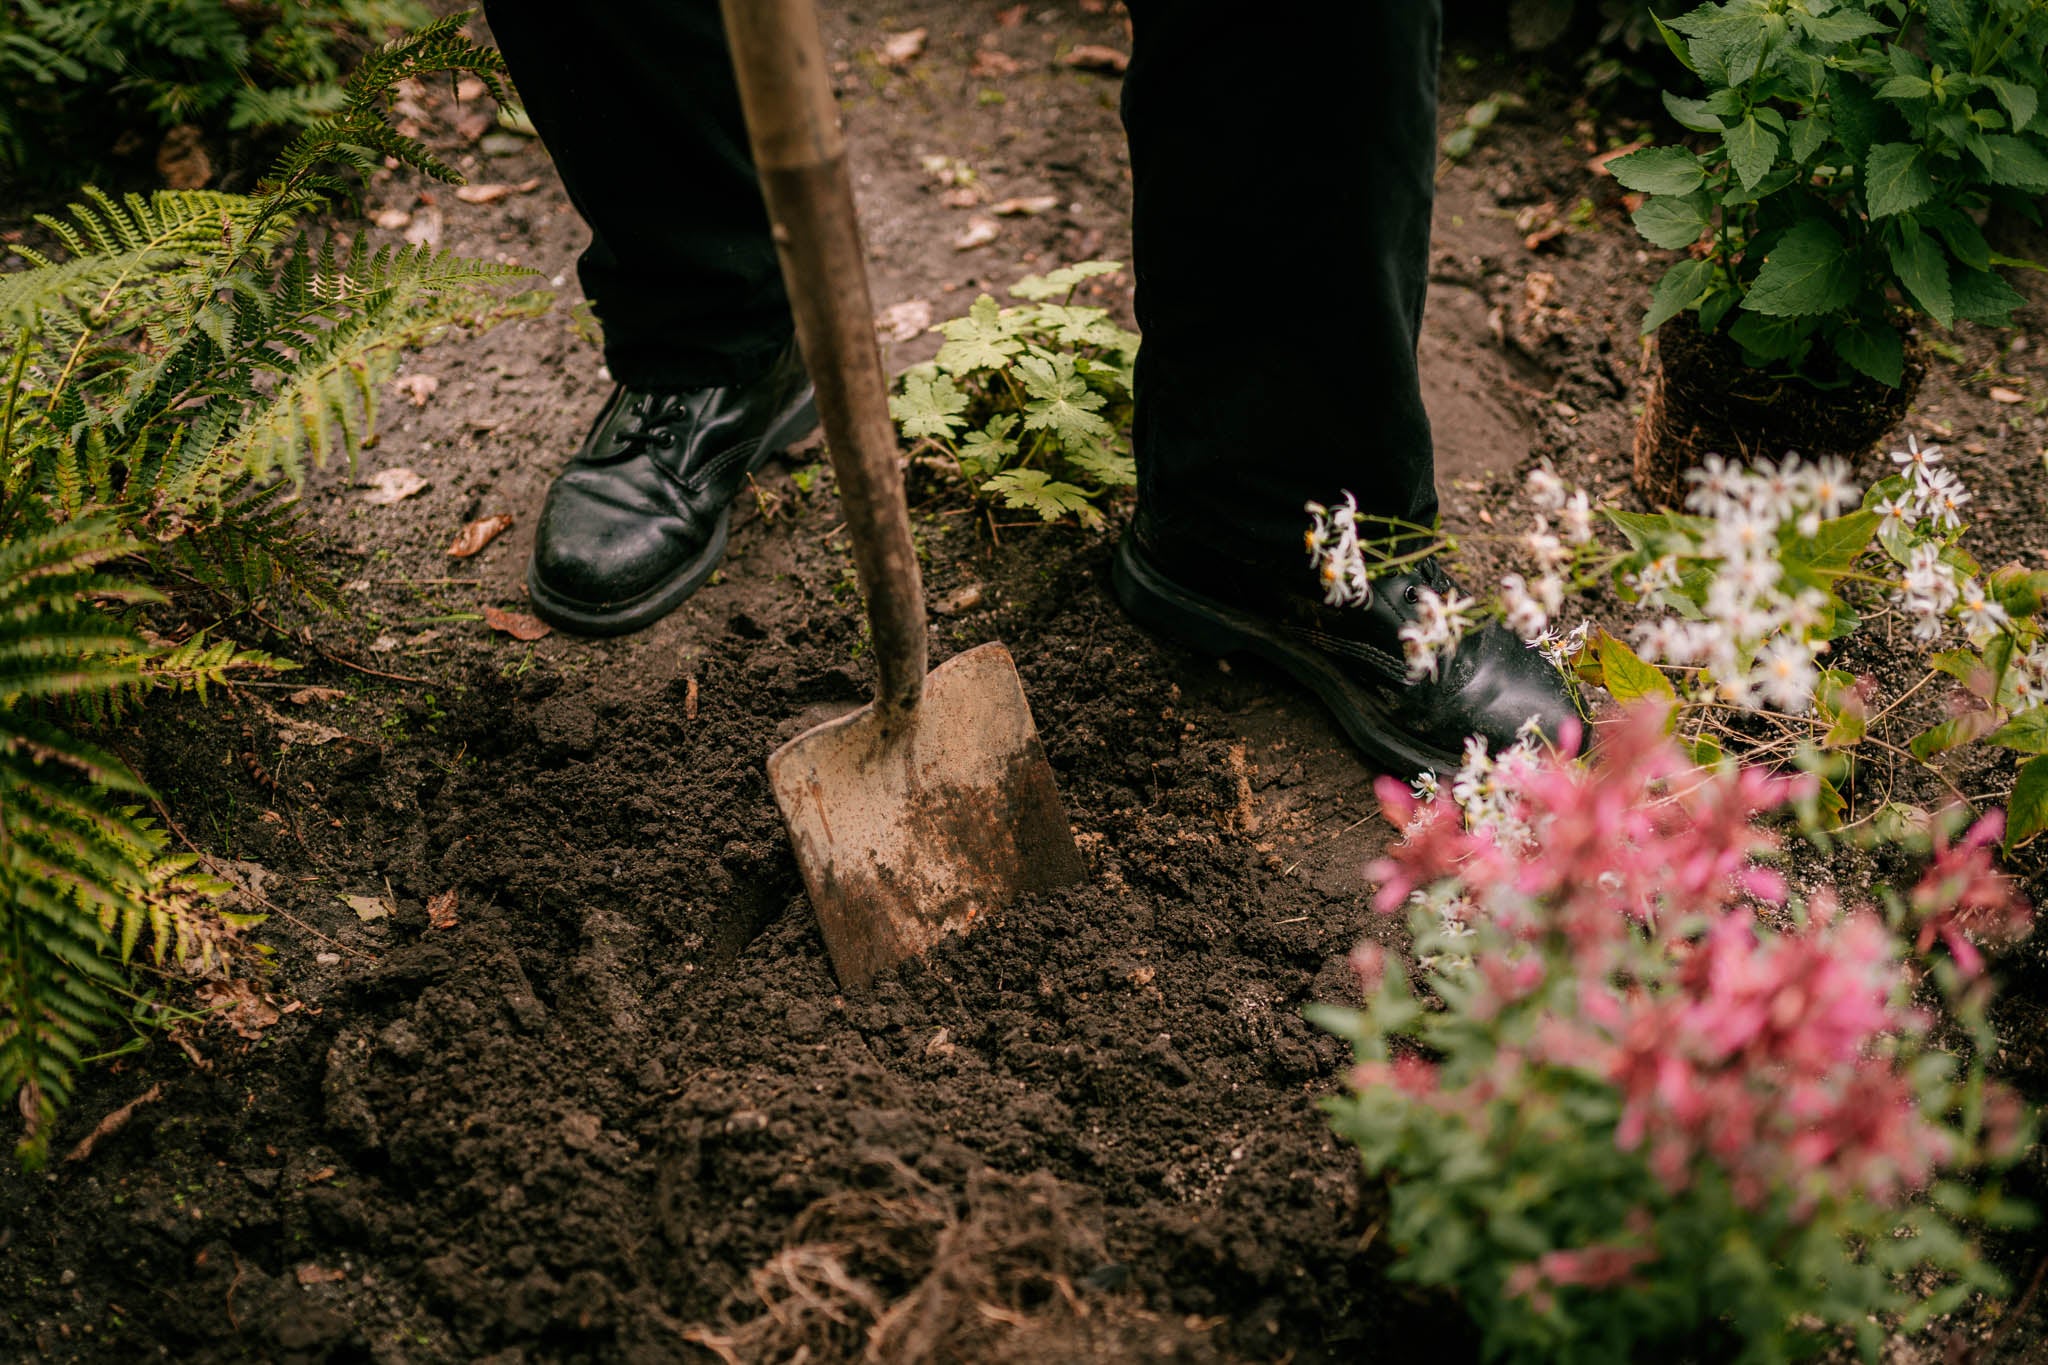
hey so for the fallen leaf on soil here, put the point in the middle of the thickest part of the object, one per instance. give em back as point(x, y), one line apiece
point(979, 232)
point(240, 1007)
point(528, 186)
point(1095, 57)
point(2005, 395)
point(898, 50)
point(113, 1123)
point(989, 64)
point(390, 485)
point(472, 124)
point(291, 730)
point(690, 699)
point(425, 229)
point(958, 600)
point(1598, 164)
point(469, 88)
point(181, 158)
point(417, 388)
point(313, 1274)
point(960, 197)
point(903, 321)
point(324, 1173)
point(391, 220)
point(384, 644)
point(368, 907)
point(1011, 17)
point(306, 696)
point(516, 624)
point(441, 910)
point(478, 534)
point(1025, 205)
point(481, 194)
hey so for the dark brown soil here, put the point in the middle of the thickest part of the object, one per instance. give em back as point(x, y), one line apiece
point(620, 1111)
point(1703, 400)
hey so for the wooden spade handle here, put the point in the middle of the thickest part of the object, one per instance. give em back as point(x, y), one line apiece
point(779, 57)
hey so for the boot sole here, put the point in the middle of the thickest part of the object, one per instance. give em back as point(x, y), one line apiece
point(643, 610)
point(1163, 606)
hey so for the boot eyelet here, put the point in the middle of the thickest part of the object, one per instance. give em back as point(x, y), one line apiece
point(1411, 594)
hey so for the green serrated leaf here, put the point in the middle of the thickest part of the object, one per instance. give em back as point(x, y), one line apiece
point(1681, 288)
point(1033, 490)
point(1059, 283)
point(1809, 272)
point(985, 339)
point(1659, 170)
point(1693, 114)
point(1751, 150)
point(1874, 349)
point(2021, 101)
point(929, 406)
point(1628, 677)
point(1922, 268)
point(2025, 733)
point(1895, 179)
point(1983, 296)
point(1674, 221)
point(1059, 401)
point(2026, 812)
point(2009, 160)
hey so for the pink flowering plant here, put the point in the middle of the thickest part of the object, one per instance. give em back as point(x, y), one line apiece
point(1645, 1096)
point(1742, 599)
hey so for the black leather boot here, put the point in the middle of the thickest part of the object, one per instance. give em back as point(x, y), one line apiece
point(638, 520)
point(1351, 657)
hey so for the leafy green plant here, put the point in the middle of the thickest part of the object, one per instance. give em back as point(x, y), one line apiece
point(1031, 403)
point(1648, 1106)
point(167, 375)
point(106, 63)
point(1846, 152)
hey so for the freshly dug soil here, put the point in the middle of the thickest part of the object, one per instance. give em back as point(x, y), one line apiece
point(619, 1109)
point(1704, 400)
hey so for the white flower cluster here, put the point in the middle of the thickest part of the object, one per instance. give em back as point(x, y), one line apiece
point(1334, 553)
point(1441, 620)
point(1931, 590)
point(1486, 785)
point(1757, 638)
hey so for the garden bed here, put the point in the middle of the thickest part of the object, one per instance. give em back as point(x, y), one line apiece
point(575, 1122)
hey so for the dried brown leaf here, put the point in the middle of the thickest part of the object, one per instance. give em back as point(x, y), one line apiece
point(310, 1274)
point(1096, 57)
point(516, 624)
point(113, 1123)
point(478, 534)
point(391, 220)
point(898, 50)
point(239, 1007)
point(2002, 394)
point(368, 907)
point(482, 194)
point(989, 64)
point(441, 910)
point(980, 231)
point(417, 388)
point(1025, 205)
point(306, 696)
point(904, 321)
point(391, 485)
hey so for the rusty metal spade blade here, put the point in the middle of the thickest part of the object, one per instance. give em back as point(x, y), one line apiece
point(910, 831)
point(933, 806)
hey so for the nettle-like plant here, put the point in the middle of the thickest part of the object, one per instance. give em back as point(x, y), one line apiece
point(241, 66)
point(1747, 595)
point(163, 378)
point(1648, 1103)
point(1032, 403)
point(1846, 153)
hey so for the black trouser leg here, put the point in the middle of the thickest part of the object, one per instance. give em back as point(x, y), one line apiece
point(1281, 243)
point(637, 104)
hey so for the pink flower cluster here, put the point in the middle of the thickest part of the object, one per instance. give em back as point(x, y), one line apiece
point(1766, 1055)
